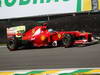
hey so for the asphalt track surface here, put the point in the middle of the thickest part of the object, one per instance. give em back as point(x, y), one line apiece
point(46, 58)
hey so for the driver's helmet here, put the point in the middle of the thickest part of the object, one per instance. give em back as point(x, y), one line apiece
point(50, 30)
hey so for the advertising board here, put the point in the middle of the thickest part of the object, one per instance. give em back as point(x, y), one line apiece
point(27, 8)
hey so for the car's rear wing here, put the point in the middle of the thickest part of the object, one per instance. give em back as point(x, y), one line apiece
point(15, 31)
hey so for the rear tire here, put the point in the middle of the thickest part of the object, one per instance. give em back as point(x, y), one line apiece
point(12, 44)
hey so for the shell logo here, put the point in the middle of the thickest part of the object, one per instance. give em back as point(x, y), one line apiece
point(59, 35)
point(43, 37)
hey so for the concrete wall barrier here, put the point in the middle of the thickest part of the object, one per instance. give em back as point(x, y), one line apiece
point(87, 22)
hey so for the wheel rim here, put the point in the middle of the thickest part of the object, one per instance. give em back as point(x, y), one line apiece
point(66, 40)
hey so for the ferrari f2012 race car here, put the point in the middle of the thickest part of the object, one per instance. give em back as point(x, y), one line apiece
point(40, 36)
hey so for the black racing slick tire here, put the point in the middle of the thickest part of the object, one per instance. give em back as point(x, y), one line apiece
point(12, 44)
point(67, 40)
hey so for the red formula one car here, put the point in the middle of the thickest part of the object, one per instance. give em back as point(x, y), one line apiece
point(39, 36)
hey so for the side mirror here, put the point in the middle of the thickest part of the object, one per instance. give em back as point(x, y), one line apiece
point(45, 24)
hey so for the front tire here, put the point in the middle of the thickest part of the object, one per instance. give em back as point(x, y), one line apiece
point(67, 40)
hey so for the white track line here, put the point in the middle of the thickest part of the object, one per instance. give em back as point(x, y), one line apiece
point(2, 46)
